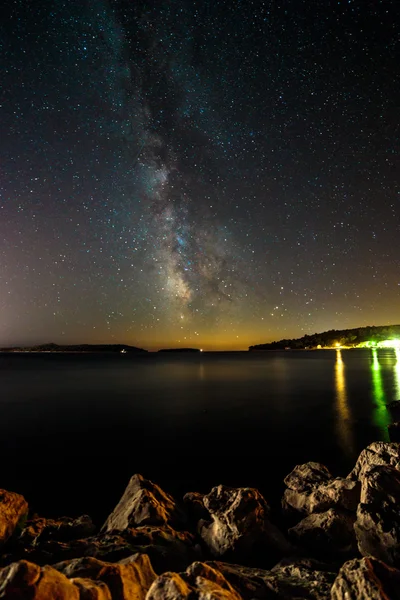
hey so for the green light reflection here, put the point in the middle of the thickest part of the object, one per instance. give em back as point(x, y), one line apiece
point(344, 424)
point(380, 415)
point(397, 375)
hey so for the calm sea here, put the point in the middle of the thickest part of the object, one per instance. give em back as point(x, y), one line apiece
point(74, 428)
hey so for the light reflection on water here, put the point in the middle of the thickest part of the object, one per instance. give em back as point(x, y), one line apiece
point(344, 422)
point(397, 375)
point(380, 415)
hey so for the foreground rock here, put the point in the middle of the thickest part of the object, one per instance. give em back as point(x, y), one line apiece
point(311, 488)
point(376, 454)
point(366, 579)
point(13, 511)
point(240, 524)
point(128, 579)
point(199, 582)
point(378, 516)
point(329, 534)
point(24, 580)
point(144, 503)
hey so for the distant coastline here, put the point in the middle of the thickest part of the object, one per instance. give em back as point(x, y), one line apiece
point(76, 348)
point(383, 336)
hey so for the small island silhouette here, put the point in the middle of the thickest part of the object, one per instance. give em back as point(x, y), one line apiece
point(180, 350)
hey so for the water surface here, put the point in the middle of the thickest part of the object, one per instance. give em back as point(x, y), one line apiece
point(74, 428)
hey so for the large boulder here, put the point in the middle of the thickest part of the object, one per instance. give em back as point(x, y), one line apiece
point(132, 579)
point(13, 512)
point(26, 581)
point(144, 503)
point(63, 529)
point(330, 533)
point(240, 524)
point(378, 517)
point(311, 488)
point(307, 476)
point(366, 579)
point(199, 582)
point(376, 454)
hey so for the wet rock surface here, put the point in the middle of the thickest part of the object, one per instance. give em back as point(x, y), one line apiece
point(224, 545)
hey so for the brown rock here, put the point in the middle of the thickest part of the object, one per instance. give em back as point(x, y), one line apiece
point(307, 476)
point(144, 503)
point(26, 581)
point(366, 579)
point(199, 582)
point(335, 493)
point(377, 453)
point(328, 533)
point(126, 581)
point(378, 518)
point(240, 523)
point(13, 511)
point(91, 590)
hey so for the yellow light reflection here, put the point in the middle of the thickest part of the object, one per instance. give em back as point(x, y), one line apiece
point(380, 415)
point(344, 425)
point(397, 375)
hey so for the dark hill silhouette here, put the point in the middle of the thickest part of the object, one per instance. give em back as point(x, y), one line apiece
point(344, 337)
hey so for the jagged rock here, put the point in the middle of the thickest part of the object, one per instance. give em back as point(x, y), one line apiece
point(313, 494)
point(63, 529)
point(26, 581)
point(194, 504)
point(144, 503)
point(13, 511)
point(240, 523)
point(307, 476)
point(293, 579)
point(129, 580)
point(378, 517)
point(199, 582)
point(91, 590)
point(328, 533)
point(377, 453)
point(366, 579)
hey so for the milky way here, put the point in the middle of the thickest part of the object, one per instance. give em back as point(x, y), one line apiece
point(216, 174)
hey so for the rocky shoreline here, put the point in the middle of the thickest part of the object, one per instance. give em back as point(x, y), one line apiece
point(335, 538)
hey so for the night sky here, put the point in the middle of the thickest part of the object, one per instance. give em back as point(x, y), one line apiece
point(198, 173)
